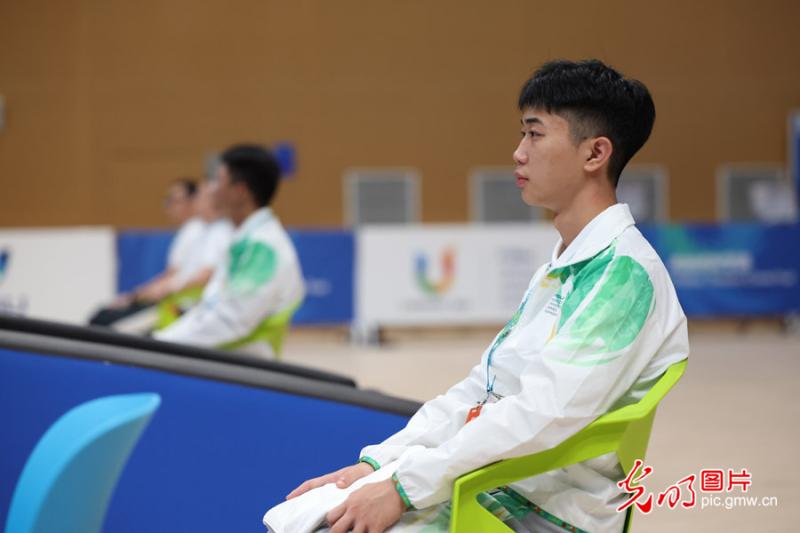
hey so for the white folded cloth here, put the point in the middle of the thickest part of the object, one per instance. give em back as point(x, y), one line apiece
point(306, 513)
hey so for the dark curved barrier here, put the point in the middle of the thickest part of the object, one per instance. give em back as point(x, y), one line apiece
point(108, 337)
point(230, 440)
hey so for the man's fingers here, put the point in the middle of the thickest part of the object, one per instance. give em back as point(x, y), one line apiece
point(298, 491)
point(305, 487)
point(345, 480)
point(335, 520)
point(348, 476)
point(295, 493)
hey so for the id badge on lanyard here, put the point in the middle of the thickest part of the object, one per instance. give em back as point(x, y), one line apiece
point(475, 412)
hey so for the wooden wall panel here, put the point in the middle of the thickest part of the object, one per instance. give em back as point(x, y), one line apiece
point(108, 101)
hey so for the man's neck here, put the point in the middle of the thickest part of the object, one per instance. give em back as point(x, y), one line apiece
point(240, 215)
point(184, 220)
point(570, 220)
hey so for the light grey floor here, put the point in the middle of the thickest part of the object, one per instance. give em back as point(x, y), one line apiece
point(738, 406)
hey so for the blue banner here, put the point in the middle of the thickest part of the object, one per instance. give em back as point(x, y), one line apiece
point(326, 257)
point(733, 269)
point(718, 270)
point(141, 255)
point(794, 154)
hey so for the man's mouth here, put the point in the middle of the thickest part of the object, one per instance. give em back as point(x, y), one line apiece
point(521, 180)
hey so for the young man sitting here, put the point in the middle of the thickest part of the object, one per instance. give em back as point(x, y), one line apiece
point(260, 275)
point(596, 328)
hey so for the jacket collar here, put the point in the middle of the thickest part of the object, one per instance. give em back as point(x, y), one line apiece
point(595, 237)
point(254, 220)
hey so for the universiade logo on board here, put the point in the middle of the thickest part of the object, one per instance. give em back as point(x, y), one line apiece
point(10, 304)
point(4, 260)
point(447, 264)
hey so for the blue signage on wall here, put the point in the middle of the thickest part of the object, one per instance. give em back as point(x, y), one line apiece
point(794, 154)
point(327, 260)
point(141, 255)
point(717, 270)
point(326, 257)
point(731, 269)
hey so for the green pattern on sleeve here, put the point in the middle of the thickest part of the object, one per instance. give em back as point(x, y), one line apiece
point(587, 275)
point(252, 264)
point(614, 316)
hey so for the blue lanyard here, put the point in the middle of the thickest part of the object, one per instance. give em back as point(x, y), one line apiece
point(505, 332)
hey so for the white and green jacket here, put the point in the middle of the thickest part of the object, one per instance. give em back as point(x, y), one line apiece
point(259, 277)
point(597, 327)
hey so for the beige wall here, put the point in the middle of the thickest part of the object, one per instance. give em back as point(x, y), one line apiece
point(107, 101)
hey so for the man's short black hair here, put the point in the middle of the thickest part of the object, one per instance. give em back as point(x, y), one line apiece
point(255, 166)
point(597, 101)
point(189, 186)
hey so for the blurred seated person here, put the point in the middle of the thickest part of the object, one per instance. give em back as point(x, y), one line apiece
point(198, 246)
point(183, 288)
point(260, 277)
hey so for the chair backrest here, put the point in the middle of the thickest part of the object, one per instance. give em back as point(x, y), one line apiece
point(271, 330)
point(68, 480)
point(653, 397)
point(639, 417)
point(625, 431)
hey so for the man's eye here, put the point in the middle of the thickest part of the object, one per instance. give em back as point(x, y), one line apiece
point(535, 134)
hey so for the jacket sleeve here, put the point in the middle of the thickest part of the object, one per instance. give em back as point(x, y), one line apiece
point(435, 422)
point(439, 419)
point(239, 301)
point(595, 356)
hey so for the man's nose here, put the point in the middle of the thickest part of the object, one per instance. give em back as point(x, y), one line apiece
point(519, 155)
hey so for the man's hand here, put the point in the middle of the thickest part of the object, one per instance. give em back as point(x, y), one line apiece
point(122, 300)
point(154, 291)
point(373, 508)
point(343, 478)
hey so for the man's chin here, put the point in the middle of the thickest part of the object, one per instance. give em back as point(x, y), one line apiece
point(531, 202)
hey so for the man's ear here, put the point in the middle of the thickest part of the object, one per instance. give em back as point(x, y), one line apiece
point(241, 187)
point(599, 150)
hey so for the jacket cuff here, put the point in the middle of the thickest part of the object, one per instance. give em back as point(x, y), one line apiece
point(381, 453)
point(370, 461)
point(424, 478)
point(401, 491)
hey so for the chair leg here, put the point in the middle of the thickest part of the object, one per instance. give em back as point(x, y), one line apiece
point(628, 516)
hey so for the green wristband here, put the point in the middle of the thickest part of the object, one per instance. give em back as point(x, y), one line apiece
point(370, 461)
point(402, 492)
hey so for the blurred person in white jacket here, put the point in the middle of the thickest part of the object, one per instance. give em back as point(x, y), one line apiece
point(597, 327)
point(193, 261)
point(179, 206)
point(260, 273)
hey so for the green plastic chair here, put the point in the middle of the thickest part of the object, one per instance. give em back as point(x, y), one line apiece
point(170, 308)
point(272, 331)
point(625, 431)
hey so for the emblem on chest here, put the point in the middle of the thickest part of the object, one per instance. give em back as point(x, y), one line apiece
point(553, 307)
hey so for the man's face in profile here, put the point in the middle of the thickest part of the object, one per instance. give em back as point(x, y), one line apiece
point(224, 190)
point(548, 162)
point(177, 204)
point(205, 204)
